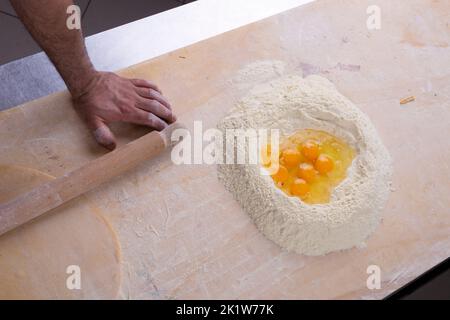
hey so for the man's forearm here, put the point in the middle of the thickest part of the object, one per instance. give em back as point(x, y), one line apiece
point(100, 98)
point(46, 21)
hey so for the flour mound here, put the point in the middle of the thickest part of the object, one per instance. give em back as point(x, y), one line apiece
point(289, 104)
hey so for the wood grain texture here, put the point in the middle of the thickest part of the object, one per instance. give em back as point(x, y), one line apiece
point(183, 235)
point(50, 195)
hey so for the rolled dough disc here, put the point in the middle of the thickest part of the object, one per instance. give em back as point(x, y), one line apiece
point(34, 258)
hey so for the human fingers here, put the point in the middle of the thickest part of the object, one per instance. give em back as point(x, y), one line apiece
point(139, 116)
point(145, 84)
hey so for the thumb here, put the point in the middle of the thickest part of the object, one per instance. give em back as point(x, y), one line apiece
point(103, 135)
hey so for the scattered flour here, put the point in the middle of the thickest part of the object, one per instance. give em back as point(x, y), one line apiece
point(259, 71)
point(291, 103)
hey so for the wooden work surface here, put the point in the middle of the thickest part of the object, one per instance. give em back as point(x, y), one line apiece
point(183, 236)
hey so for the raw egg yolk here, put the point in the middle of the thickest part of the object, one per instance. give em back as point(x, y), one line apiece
point(299, 187)
point(291, 158)
point(310, 150)
point(307, 172)
point(282, 174)
point(324, 164)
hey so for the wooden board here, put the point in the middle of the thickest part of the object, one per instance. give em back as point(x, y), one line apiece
point(183, 235)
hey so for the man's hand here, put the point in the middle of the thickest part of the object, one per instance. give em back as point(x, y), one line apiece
point(100, 98)
point(110, 98)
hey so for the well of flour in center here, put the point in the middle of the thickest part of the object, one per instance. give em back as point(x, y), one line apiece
point(337, 176)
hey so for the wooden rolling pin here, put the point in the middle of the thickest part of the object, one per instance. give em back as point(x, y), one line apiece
point(54, 193)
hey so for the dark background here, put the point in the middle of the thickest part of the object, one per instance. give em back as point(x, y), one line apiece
point(101, 15)
point(98, 16)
